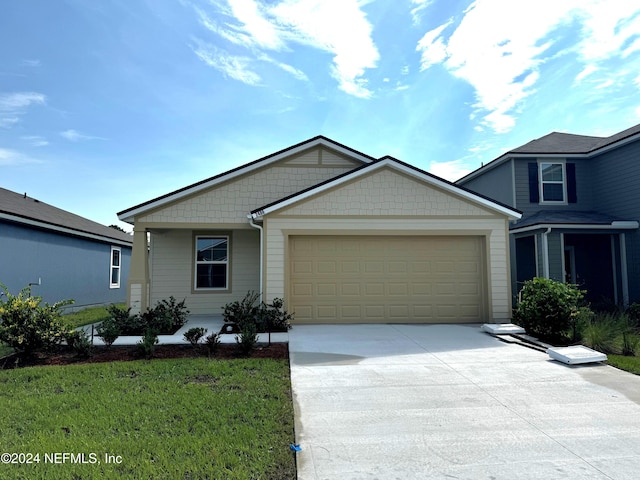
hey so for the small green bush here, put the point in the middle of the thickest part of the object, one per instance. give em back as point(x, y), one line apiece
point(126, 323)
point(602, 331)
point(243, 311)
point(109, 330)
point(193, 335)
point(80, 343)
point(633, 312)
point(27, 325)
point(629, 343)
point(147, 345)
point(212, 342)
point(175, 312)
point(247, 338)
point(549, 309)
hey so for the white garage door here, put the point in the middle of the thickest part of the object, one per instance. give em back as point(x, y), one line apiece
point(356, 279)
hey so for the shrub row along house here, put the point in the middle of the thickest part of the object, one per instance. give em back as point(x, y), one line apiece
point(341, 236)
point(62, 255)
point(580, 199)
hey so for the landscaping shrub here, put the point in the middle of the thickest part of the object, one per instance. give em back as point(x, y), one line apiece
point(109, 330)
point(601, 332)
point(175, 312)
point(633, 312)
point(265, 317)
point(243, 311)
point(212, 342)
point(629, 343)
point(147, 345)
point(247, 338)
point(27, 325)
point(126, 323)
point(549, 309)
point(80, 343)
point(193, 335)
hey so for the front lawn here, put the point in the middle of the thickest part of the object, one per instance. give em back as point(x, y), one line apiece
point(87, 316)
point(630, 364)
point(182, 419)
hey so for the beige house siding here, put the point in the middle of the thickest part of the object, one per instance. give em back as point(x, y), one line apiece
point(492, 229)
point(172, 269)
point(231, 201)
point(386, 192)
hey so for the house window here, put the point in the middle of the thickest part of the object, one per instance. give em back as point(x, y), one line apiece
point(116, 255)
point(552, 182)
point(212, 263)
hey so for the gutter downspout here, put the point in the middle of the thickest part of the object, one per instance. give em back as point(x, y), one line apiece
point(259, 227)
point(545, 252)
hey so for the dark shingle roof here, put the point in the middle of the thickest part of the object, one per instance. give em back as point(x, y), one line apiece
point(556, 142)
point(27, 208)
point(551, 217)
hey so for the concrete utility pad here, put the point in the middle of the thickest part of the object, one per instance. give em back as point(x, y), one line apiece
point(501, 328)
point(576, 354)
point(448, 401)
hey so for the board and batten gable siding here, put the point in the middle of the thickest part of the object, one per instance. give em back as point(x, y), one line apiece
point(69, 267)
point(387, 193)
point(584, 187)
point(172, 269)
point(231, 201)
point(496, 183)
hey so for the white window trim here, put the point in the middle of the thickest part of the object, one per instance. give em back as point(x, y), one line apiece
point(113, 267)
point(541, 183)
point(196, 263)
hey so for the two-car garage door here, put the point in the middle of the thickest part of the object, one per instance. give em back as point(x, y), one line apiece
point(402, 279)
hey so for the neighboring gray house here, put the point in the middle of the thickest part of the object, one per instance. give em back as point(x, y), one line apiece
point(580, 198)
point(64, 256)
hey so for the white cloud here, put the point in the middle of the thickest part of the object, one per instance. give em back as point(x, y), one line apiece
point(35, 140)
point(75, 136)
point(9, 158)
point(338, 27)
point(500, 55)
point(236, 67)
point(418, 10)
point(451, 171)
point(13, 102)
point(31, 63)
point(7, 122)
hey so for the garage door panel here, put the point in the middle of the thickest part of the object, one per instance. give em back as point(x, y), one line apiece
point(386, 279)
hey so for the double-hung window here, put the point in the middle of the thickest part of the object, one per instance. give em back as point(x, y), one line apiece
point(212, 262)
point(553, 186)
point(116, 254)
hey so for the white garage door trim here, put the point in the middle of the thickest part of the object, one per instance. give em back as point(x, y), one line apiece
point(387, 279)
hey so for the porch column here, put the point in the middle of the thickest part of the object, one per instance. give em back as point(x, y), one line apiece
point(138, 291)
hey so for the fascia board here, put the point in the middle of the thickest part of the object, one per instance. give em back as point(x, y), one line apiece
point(65, 230)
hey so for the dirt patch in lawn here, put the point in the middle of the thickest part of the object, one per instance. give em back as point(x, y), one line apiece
point(64, 355)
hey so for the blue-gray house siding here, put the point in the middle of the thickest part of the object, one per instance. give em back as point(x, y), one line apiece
point(67, 267)
point(591, 238)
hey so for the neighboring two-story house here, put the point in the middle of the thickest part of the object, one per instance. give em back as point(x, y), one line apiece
point(580, 199)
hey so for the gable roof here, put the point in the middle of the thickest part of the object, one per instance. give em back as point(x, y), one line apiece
point(557, 143)
point(19, 208)
point(129, 214)
point(396, 164)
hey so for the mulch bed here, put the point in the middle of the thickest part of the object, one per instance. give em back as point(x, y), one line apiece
point(64, 355)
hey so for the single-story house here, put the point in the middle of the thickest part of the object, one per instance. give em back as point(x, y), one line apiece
point(60, 254)
point(339, 235)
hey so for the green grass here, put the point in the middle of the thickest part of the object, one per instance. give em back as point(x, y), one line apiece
point(630, 364)
point(173, 419)
point(87, 316)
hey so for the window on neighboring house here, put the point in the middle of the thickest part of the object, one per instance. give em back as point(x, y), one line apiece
point(552, 182)
point(116, 258)
point(212, 262)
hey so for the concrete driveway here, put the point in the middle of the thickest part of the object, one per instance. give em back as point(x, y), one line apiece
point(448, 401)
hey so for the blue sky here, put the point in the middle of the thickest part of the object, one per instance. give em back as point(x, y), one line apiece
point(107, 104)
